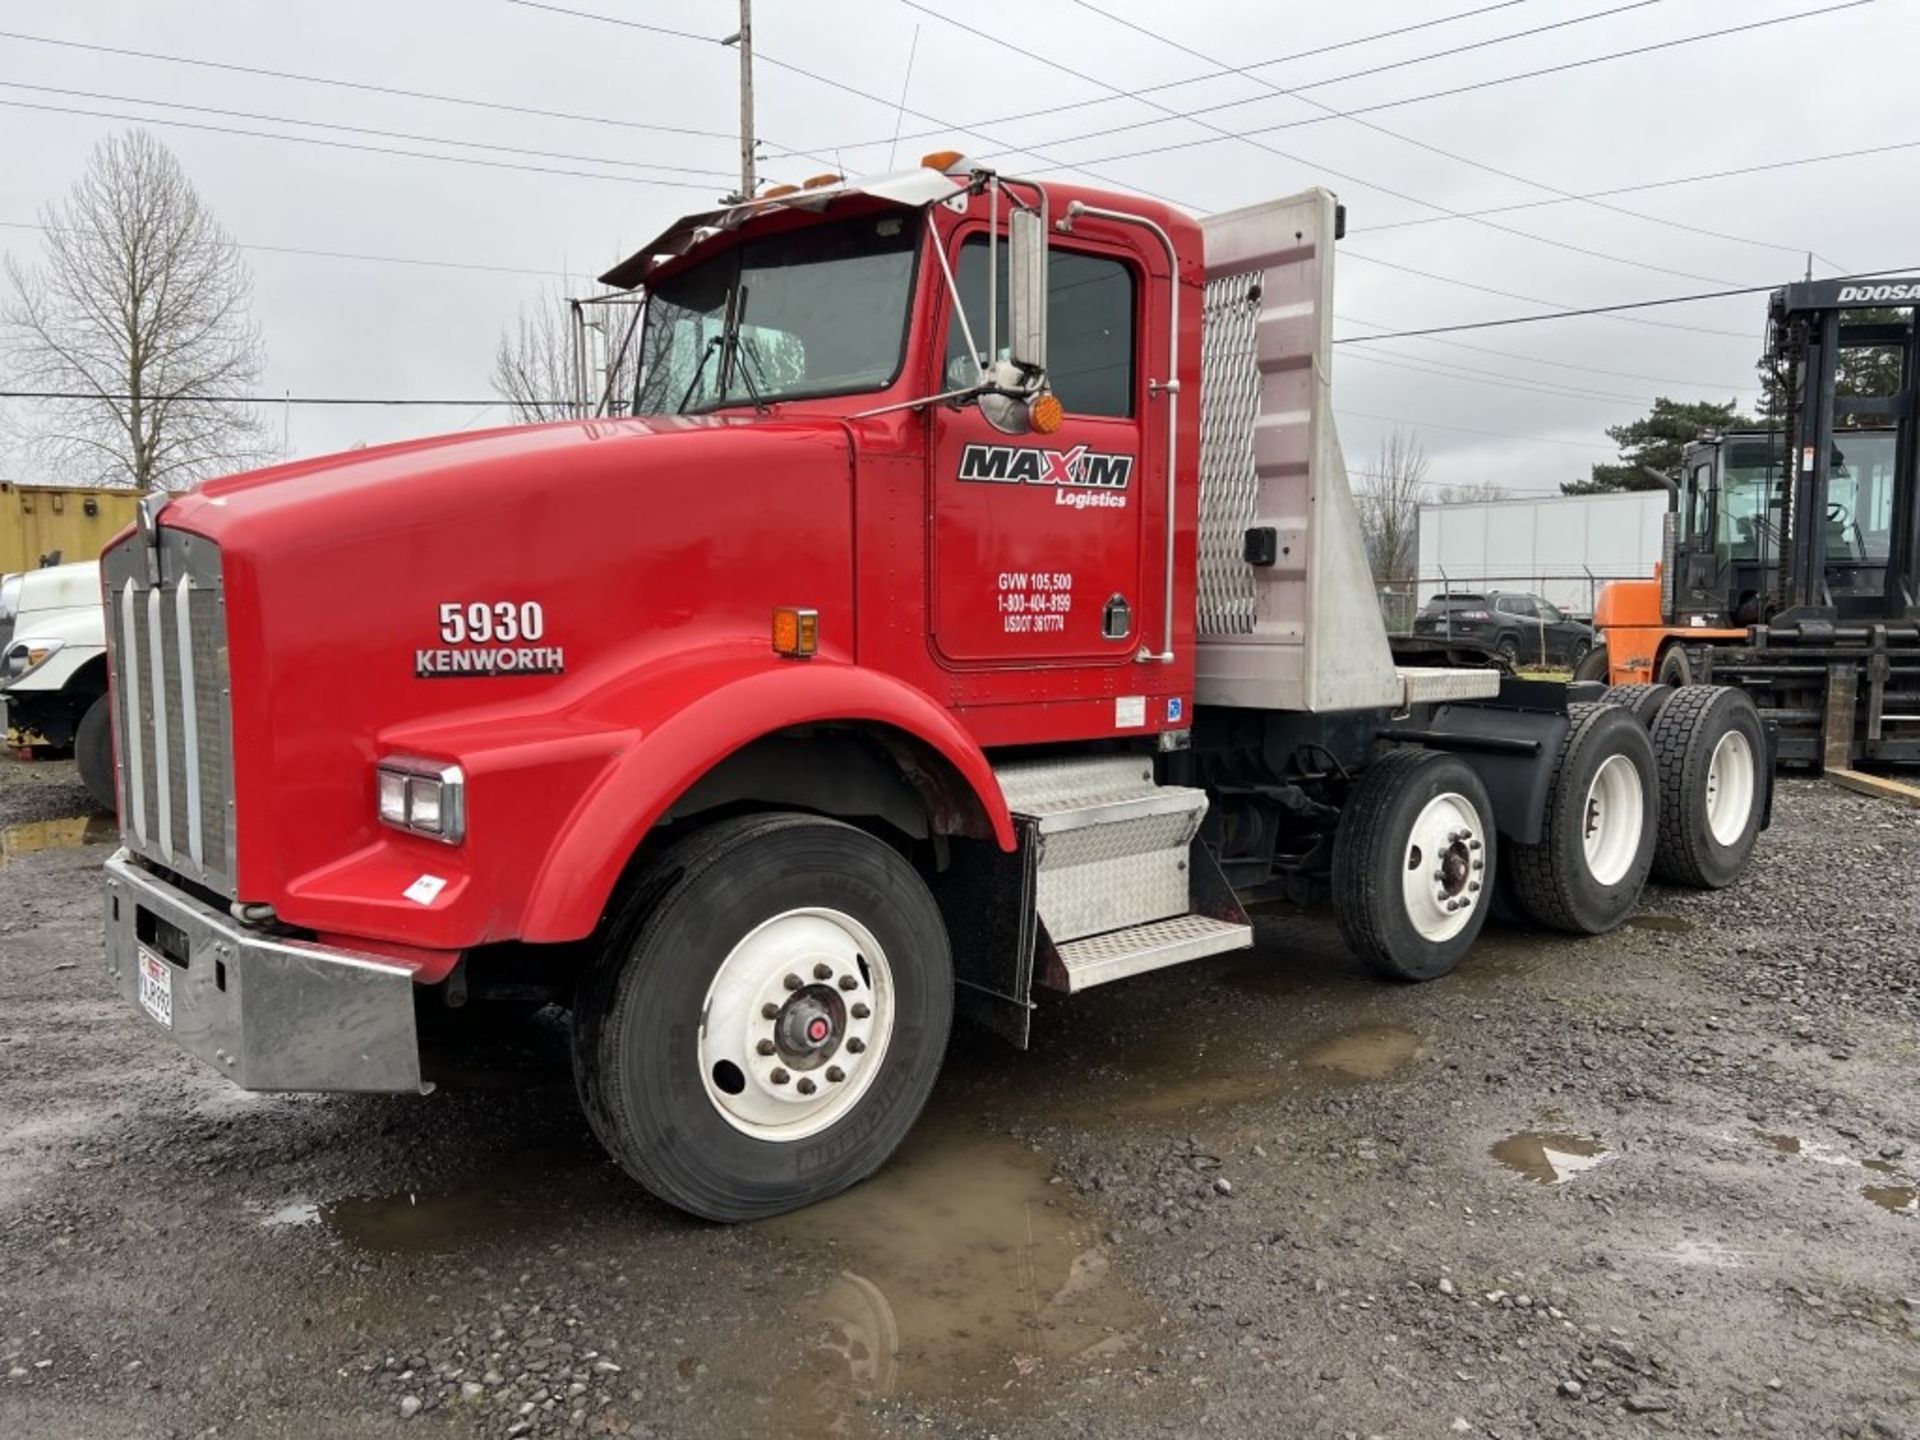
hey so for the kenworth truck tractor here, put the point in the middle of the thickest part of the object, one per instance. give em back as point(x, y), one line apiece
point(968, 603)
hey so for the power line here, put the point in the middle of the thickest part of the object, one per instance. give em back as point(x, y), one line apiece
point(360, 129)
point(1222, 74)
point(1297, 159)
point(366, 86)
point(332, 254)
point(1489, 378)
point(1439, 94)
point(1538, 360)
point(1465, 430)
point(1447, 211)
point(256, 399)
point(1560, 309)
point(1644, 185)
point(350, 145)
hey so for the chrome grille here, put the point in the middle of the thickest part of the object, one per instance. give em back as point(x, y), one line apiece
point(1229, 486)
point(167, 637)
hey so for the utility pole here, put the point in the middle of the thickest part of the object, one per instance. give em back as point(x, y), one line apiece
point(744, 39)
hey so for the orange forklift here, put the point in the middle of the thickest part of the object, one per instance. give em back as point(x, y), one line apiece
point(1791, 555)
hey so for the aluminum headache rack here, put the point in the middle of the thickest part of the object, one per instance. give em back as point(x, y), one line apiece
point(167, 645)
point(1288, 618)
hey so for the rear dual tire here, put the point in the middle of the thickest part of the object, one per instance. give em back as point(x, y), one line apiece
point(1714, 783)
point(1596, 847)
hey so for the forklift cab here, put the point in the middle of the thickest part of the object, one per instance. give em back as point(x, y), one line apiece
point(1730, 529)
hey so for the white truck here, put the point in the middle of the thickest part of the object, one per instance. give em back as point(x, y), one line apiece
point(1561, 548)
point(53, 669)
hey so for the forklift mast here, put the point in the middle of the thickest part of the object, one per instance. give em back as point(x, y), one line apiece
point(1852, 555)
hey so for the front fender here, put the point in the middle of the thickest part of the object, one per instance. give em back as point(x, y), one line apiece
point(697, 717)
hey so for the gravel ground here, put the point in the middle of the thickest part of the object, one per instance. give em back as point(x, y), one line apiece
point(1660, 1182)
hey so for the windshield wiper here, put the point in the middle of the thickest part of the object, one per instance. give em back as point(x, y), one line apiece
point(716, 343)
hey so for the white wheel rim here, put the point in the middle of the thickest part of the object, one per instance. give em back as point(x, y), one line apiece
point(1443, 866)
point(796, 1024)
point(1611, 825)
point(1730, 787)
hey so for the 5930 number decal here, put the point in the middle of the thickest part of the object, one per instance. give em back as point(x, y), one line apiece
point(499, 622)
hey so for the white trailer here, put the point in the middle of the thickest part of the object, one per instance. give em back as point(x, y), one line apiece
point(1560, 546)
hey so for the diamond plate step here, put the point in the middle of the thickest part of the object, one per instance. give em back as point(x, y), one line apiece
point(1098, 959)
point(1112, 844)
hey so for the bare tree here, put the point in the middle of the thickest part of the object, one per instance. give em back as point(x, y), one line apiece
point(1388, 498)
point(138, 321)
point(532, 365)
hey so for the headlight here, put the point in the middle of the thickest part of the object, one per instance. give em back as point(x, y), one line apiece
point(23, 657)
point(425, 797)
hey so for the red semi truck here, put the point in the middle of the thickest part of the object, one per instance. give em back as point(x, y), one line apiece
point(968, 602)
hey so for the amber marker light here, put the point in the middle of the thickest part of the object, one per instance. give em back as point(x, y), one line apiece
point(773, 192)
point(1046, 413)
point(820, 182)
point(796, 633)
point(941, 160)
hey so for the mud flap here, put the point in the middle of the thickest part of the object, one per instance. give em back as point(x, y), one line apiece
point(986, 898)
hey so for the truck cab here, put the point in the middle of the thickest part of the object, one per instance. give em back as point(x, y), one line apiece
point(953, 598)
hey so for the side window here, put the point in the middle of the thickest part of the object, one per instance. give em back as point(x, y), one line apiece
point(1549, 613)
point(1702, 520)
point(1090, 326)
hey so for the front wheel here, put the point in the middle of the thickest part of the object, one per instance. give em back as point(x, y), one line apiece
point(767, 1018)
point(1596, 664)
point(1413, 864)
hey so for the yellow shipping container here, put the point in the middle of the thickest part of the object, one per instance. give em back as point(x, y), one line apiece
point(39, 521)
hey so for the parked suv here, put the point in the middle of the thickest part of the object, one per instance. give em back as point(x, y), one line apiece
point(1521, 629)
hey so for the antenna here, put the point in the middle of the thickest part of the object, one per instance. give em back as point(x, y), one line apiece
point(901, 109)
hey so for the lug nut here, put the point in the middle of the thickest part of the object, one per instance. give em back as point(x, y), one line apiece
point(766, 1047)
point(806, 1086)
point(1473, 845)
point(847, 982)
point(836, 1074)
point(860, 1011)
point(1473, 885)
point(823, 971)
point(856, 1046)
point(793, 982)
point(1479, 864)
point(769, 1011)
point(779, 1077)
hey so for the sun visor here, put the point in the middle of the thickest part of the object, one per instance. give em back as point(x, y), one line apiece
point(914, 189)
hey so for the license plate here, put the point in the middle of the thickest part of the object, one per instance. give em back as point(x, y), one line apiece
point(156, 987)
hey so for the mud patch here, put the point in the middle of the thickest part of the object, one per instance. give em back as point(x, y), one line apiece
point(71, 833)
point(1550, 1158)
point(1900, 1199)
point(1371, 1052)
point(1785, 1144)
point(961, 1273)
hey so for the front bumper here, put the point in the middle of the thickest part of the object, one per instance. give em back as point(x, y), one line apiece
point(269, 1014)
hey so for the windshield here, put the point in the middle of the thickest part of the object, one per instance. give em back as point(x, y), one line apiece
point(1859, 518)
point(818, 311)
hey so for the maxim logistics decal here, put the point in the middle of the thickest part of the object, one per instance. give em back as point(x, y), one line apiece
point(1081, 478)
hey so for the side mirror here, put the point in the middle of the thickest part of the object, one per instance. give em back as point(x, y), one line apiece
point(1022, 403)
point(1027, 291)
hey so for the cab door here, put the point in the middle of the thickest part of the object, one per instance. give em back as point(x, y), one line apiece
point(1036, 539)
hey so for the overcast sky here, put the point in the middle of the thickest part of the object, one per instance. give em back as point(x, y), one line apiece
point(369, 328)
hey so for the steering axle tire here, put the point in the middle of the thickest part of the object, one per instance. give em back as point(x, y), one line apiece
point(766, 1017)
point(1596, 664)
point(1413, 864)
point(1675, 668)
point(1597, 838)
point(93, 753)
point(1714, 783)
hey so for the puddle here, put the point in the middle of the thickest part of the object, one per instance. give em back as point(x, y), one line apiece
point(962, 1271)
point(1665, 924)
point(1372, 1052)
point(67, 834)
point(519, 1193)
point(1880, 1167)
point(1785, 1144)
point(1900, 1199)
point(1550, 1159)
